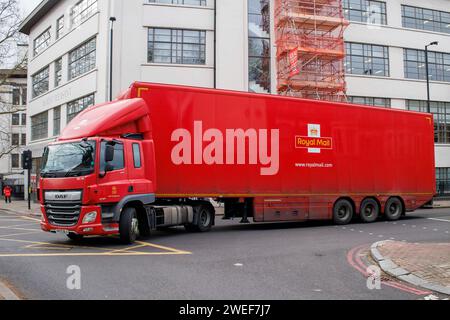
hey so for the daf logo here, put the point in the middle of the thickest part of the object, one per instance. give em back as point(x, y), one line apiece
point(63, 196)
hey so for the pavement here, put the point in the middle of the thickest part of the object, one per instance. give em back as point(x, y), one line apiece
point(21, 207)
point(426, 265)
point(281, 261)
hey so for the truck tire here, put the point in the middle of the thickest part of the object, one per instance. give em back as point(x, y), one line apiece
point(75, 237)
point(393, 209)
point(342, 212)
point(370, 210)
point(129, 226)
point(205, 218)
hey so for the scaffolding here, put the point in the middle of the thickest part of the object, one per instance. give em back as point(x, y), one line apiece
point(311, 49)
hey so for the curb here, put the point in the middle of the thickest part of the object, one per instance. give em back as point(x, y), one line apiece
point(6, 293)
point(388, 266)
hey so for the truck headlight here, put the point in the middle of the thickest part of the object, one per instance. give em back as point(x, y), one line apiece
point(90, 217)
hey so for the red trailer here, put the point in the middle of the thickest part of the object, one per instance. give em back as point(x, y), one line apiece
point(155, 156)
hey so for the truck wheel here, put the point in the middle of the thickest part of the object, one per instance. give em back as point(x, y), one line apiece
point(393, 209)
point(369, 210)
point(205, 219)
point(342, 212)
point(129, 226)
point(74, 237)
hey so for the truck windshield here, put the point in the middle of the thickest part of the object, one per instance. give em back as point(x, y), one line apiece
point(69, 160)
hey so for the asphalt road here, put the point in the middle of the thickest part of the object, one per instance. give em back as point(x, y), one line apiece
point(314, 260)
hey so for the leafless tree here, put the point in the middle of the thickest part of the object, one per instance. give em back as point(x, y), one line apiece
point(11, 62)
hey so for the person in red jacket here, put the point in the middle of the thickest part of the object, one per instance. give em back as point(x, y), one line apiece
point(7, 192)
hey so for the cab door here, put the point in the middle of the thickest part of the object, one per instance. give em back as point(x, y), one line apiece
point(136, 168)
point(115, 184)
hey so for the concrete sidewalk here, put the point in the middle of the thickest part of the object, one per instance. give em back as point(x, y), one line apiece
point(21, 207)
point(426, 265)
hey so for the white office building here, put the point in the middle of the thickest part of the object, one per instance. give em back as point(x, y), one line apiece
point(227, 44)
point(13, 139)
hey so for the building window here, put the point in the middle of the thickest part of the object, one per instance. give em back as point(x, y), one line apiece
point(15, 119)
point(443, 181)
point(15, 139)
point(76, 106)
point(16, 96)
point(369, 101)
point(58, 72)
point(24, 95)
point(441, 115)
point(23, 117)
point(438, 65)
point(59, 27)
point(82, 11)
point(39, 126)
point(56, 121)
point(184, 2)
point(259, 71)
point(176, 46)
point(82, 59)
point(367, 59)
point(15, 161)
point(42, 42)
point(425, 19)
point(23, 139)
point(40, 82)
point(372, 12)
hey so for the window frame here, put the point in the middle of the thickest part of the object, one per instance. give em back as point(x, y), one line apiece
point(45, 44)
point(363, 60)
point(137, 155)
point(417, 15)
point(82, 63)
point(202, 3)
point(43, 76)
point(83, 100)
point(360, 13)
point(60, 27)
point(41, 126)
point(176, 49)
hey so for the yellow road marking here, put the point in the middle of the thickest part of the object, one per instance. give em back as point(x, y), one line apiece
point(164, 248)
point(128, 249)
point(109, 252)
point(90, 254)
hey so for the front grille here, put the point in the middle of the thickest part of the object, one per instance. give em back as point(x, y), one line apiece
point(63, 214)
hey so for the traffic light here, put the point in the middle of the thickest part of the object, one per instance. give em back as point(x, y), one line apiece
point(27, 160)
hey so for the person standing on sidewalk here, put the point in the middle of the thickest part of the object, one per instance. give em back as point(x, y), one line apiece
point(7, 192)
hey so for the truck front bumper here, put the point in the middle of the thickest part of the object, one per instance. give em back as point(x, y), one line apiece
point(82, 227)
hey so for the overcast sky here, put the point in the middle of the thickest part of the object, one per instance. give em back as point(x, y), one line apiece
point(28, 5)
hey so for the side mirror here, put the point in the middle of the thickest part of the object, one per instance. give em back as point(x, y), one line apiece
point(109, 153)
point(108, 168)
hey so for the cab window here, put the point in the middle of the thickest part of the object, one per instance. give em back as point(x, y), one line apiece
point(137, 155)
point(118, 163)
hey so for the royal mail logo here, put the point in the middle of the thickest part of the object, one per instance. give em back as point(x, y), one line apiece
point(314, 142)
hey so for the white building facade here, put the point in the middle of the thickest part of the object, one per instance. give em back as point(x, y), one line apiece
point(227, 44)
point(13, 139)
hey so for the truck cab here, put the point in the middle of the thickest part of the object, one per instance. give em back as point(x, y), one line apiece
point(106, 184)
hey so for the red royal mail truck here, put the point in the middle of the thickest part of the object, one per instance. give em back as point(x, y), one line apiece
point(155, 156)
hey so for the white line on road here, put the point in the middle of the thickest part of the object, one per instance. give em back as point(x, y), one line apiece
point(437, 219)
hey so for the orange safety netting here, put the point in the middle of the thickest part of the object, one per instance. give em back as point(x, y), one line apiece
point(315, 30)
